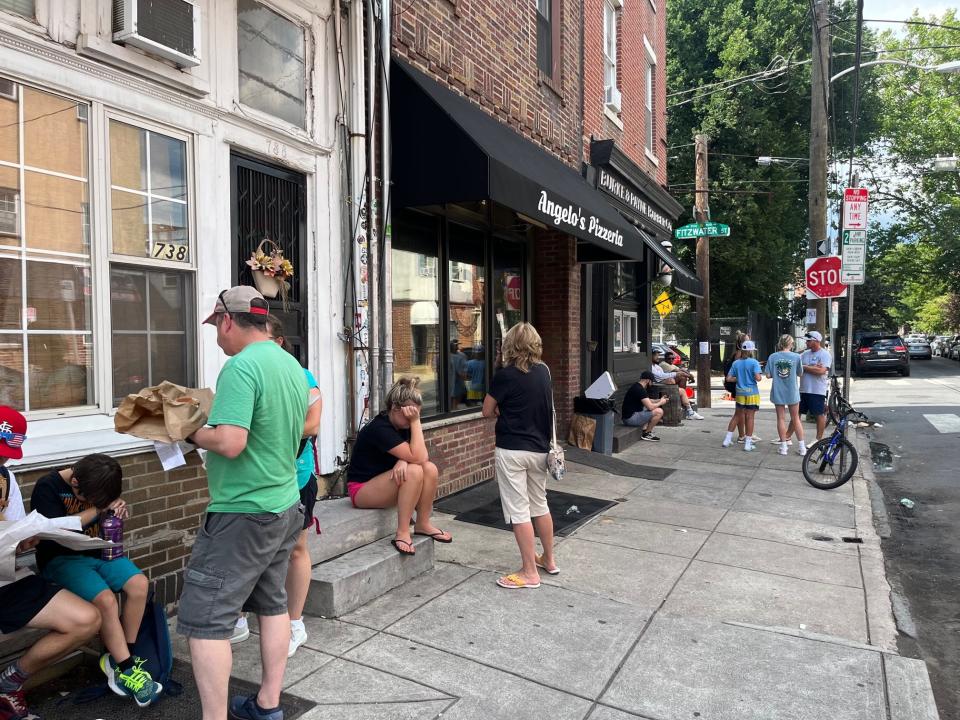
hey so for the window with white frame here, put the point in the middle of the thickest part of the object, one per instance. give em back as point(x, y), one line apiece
point(618, 330)
point(650, 105)
point(51, 357)
point(271, 53)
point(611, 93)
point(24, 8)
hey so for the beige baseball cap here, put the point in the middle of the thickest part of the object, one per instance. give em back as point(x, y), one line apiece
point(239, 299)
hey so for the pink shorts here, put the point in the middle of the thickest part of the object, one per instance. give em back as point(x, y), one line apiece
point(352, 489)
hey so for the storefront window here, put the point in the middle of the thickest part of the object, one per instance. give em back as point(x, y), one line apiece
point(508, 292)
point(416, 305)
point(46, 329)
point(466, 359)
point(441, 305)
point(272, 59)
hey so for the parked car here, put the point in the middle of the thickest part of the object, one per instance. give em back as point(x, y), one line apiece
point(940, 343)
point(953, 352)
point(919, 349)
point(671, 353)
point(881, 352)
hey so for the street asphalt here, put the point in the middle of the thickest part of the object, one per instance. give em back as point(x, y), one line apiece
point(724, 592)
point(921, 417)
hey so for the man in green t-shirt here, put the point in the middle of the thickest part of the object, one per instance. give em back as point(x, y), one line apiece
point(239, 560)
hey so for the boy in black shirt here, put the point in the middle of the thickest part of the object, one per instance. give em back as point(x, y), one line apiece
point(639, 410)
point(89, 489)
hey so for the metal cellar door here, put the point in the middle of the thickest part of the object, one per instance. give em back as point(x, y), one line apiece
point(270, 202)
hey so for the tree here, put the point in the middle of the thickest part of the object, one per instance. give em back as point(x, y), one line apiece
point(712, 41)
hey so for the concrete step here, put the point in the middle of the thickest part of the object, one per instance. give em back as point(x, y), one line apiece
point(354, 579)
point(624, 436)
point(347, 528)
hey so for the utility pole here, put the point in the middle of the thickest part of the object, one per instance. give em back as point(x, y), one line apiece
point(817, 200)
point(701, 214)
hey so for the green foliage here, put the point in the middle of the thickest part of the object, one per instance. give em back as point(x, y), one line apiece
point(714, 40)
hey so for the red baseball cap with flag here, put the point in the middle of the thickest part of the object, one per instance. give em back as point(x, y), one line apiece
point(13, 431)
point(239, 299)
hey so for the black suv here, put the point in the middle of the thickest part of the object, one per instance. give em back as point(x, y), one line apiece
point(881, 352)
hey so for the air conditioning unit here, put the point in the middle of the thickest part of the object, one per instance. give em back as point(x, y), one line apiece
point(166, 28)
point(611, 97)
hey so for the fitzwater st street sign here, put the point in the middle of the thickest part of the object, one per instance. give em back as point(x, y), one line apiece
point(853, 252)
point(707, 229)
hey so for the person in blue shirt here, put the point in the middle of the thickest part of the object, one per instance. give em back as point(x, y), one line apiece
point(746, 373)
point(784, 367)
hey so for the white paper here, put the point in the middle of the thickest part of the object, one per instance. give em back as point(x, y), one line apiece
point(170, 454)
point(62, 530)
point(704, 348)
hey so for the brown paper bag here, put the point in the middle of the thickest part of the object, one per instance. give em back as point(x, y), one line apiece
point(582, 430)
point(164, 413)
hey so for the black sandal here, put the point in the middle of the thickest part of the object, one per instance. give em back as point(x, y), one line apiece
point(396, 544)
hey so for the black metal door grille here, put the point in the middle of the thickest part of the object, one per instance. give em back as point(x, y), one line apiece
point(270, 202)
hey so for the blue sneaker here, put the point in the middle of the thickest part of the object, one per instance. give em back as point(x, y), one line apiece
point(245, 708)
point(135, 682)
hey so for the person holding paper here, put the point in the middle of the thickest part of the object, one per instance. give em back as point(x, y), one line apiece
point(89, 489)
point(29, 600)
point(240, 557)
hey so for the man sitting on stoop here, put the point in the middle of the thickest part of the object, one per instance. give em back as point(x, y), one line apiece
point(673, 378)
point(639, 410)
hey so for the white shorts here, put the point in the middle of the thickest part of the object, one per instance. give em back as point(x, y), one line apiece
point(522, 478)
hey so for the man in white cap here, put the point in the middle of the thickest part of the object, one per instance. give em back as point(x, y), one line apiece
point(240, 556)
point(815, 380)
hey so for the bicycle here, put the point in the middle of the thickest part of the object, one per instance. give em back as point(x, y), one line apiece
point(831, 462)
point(834, 400)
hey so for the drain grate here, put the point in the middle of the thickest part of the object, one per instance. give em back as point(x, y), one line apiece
point(821, 538)
point(855, 540)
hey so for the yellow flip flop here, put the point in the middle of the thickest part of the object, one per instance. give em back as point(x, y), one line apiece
point(515, 582)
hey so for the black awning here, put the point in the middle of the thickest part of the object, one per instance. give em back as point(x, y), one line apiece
point(684, 280)
point(446, 149)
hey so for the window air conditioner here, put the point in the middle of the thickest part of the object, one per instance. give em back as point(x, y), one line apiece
point(166, 28)
point(611, 98)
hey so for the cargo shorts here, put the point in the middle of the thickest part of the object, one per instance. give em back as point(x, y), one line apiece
point(239, 562)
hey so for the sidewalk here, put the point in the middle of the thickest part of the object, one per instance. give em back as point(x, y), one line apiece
point(723, 592)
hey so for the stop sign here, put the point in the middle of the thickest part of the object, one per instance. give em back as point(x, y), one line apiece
point(514, 292)
point(823, 277)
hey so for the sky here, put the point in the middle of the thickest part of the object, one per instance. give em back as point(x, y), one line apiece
point(900, 10)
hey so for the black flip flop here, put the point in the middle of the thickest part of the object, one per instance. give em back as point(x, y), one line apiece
point(396, 545)
point(436, 537)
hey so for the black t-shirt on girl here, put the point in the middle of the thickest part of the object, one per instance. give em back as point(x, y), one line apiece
point(524, 400)
point(371, 452)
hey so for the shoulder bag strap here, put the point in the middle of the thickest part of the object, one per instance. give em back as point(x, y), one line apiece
point(553, 408)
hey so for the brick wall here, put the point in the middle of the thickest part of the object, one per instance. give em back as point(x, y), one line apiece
point(556, 300)
point(463, 452)
point(166, 509)
point(637, 19)
point(487, 50)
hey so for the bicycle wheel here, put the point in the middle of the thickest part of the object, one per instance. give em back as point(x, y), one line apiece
point(833, 408)
point(818, 469)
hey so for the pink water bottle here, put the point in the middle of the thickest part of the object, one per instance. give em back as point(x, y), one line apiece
point(111, 528)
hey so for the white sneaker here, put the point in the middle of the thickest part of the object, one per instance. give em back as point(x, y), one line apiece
point(694, 415)
point(748, 447)
point(776, 441)
point(801, 449)
point(782, 451)
point(241, 631)
point(298, 636)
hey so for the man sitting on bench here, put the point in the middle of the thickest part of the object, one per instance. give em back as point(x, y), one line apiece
point(639, 410)
point(674, 377)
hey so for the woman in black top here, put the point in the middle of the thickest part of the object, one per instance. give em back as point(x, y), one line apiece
point(390, 466)
point(520, 398)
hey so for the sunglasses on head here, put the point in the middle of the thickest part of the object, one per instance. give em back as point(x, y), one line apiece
point(223, 302)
